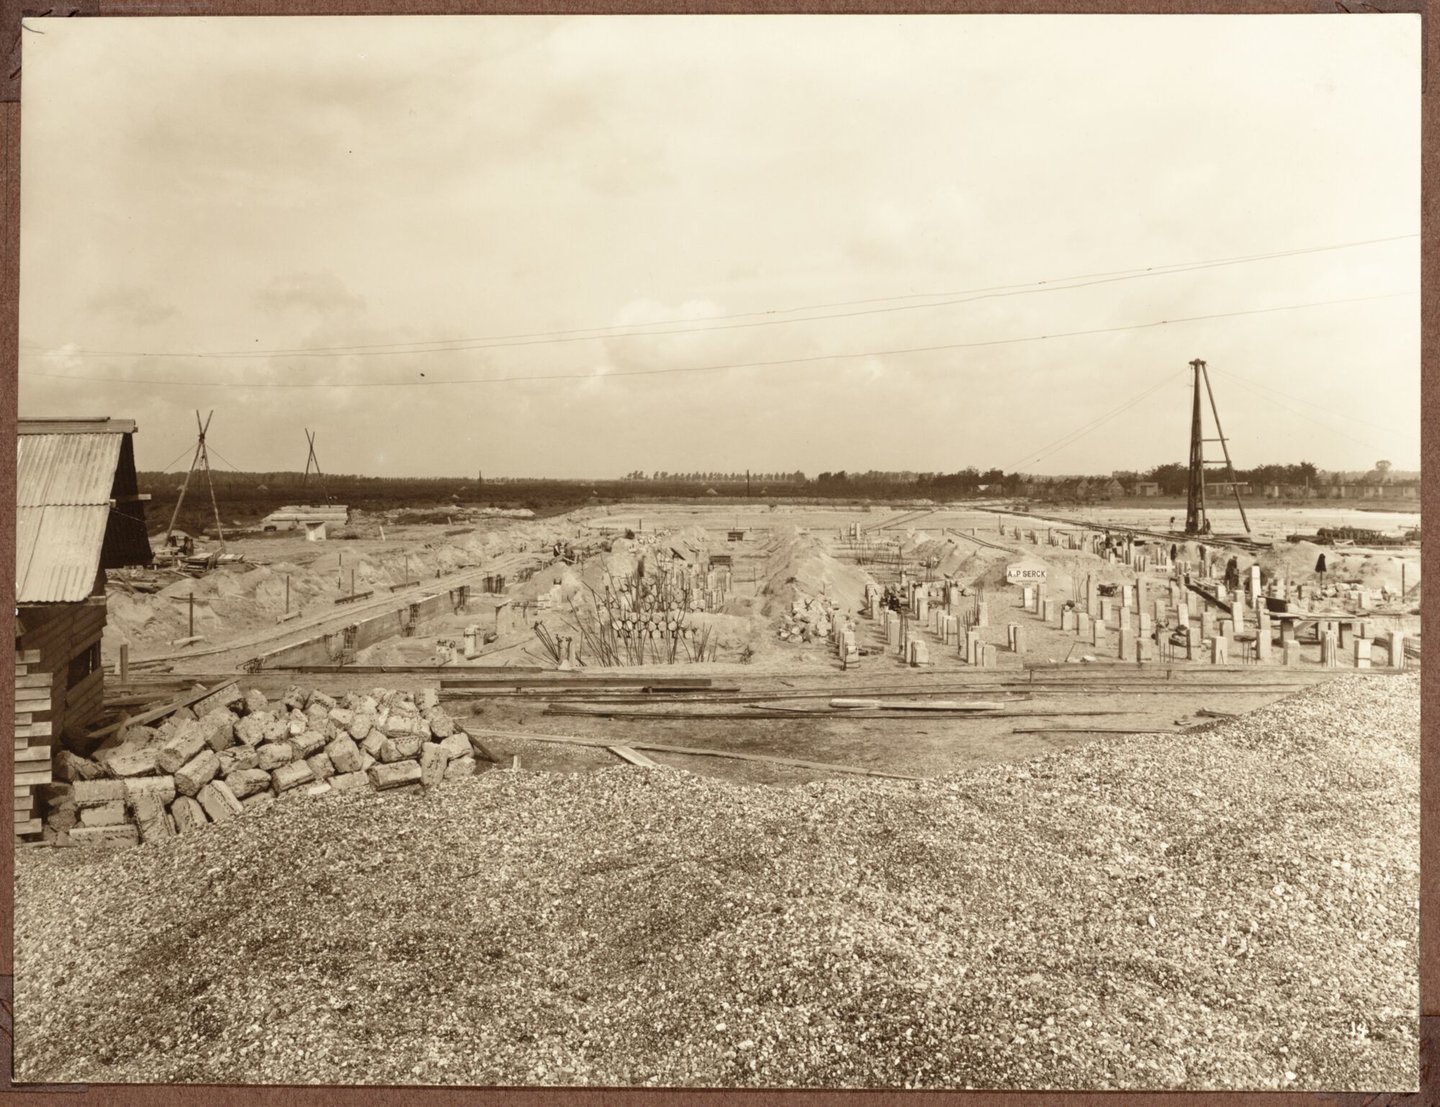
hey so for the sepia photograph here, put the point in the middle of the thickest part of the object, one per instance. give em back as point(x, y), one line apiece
point(719, 551)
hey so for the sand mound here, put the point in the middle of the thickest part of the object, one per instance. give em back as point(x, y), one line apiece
point(800, 568)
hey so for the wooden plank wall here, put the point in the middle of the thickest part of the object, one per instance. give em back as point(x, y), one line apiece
point(55, 633)
point(32, 739)
point(48, 637)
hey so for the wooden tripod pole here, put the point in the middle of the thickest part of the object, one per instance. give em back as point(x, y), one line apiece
point(209, 480)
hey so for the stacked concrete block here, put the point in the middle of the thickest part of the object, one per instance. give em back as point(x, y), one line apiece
point(1397, 649)
point(1097, 632)
point(1219, 651)
point(1360, 652)
point(230, 762)
point(1144, 649)
point(919, 653)
point(1049, 612)
point(1329, 649)
point(1068, 617)
point(1127, 643)
point(1291, 651)
point(1083, 623)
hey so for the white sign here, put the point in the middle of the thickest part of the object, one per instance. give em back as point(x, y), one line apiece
point(1025, 573)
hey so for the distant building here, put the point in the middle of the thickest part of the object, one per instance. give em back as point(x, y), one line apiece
point(1147, 488)
point(293, 518)
point(78, 512)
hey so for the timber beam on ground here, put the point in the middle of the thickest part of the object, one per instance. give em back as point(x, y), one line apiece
point(688, 751)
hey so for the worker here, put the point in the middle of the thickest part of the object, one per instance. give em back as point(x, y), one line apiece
point(1320, 569)
point(1172, 522)
point(1174, 552)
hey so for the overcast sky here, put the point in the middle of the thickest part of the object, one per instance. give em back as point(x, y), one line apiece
point(448, 193)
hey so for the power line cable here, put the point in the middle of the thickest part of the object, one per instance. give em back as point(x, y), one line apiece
point(588, 334)
point(1296, 411)
point(1300, 399)
point(898, 351)
point(1036, 456)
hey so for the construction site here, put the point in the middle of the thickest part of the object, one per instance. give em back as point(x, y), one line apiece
point(718, 552)
point(884, 671)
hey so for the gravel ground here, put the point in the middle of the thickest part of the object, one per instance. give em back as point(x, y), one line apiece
point(1230, 908)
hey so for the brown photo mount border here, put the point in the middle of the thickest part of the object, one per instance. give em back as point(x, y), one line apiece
point(12, 15)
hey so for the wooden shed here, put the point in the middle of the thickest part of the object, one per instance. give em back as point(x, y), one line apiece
point(78, 512)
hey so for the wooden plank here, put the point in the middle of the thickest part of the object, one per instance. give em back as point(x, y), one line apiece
point(33, 680)
point(561, 681)
point(32, 699)
point(735, 755)
point(32, 753)
point(158, 712)
point(919, 705)
point(27, 828)
point(33, 730)
point(21, 791)
point(28, 657)
point(625, 753)
point(34, 776)
point(23, 717)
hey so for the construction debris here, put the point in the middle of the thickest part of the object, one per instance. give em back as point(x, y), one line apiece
point(191, 770)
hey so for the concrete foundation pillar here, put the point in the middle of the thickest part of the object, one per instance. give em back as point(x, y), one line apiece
point(972, 647)
point(1397, 649)
point(1127, 643)
point(1329, 649)
point(1219, 651)
point(1291, 650)
point(1144, 649)
point(1049, 612)
point(1067, 618)
point(1097, 633)
point(1360, 652)
point(1083, 623)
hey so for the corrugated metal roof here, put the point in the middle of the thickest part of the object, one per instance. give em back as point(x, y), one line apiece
point(65, 469)
point(57, 552)
point(65, 526)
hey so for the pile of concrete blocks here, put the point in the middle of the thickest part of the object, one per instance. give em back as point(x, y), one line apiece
point(809, 620)
point(148, 783)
